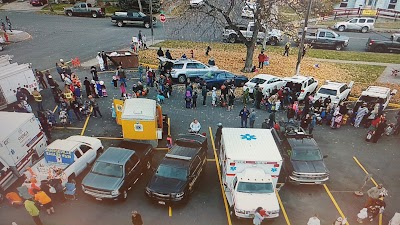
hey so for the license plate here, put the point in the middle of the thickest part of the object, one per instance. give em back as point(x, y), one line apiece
point(99, 199)
point(161, 202)
point(318, 182)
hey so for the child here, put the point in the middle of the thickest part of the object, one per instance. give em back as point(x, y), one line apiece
point(194, 98)
point(222, 101)
point(169, 142)
point(188, 99)
point(362, 215)
point(214, 97)
point(103, 89)
point(63, 117)
point(115, 81)
point(99, 90)
point(123, 89)
point(160, 97)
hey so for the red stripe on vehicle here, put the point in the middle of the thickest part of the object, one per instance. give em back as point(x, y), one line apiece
point(28, 157)
point(230, 174)
point(5, 178)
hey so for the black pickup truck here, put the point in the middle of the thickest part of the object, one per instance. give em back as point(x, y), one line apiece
point(324, 38)
point(132, 18)
point(117, 170)
point(387, 45)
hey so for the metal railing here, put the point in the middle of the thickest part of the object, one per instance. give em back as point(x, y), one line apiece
point(358, 12)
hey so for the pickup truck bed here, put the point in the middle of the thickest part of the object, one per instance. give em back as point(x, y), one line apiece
point(141, 149)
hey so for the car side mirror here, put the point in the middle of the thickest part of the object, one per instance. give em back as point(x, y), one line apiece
point(325, 156)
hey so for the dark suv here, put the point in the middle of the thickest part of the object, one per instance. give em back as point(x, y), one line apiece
point(178, 172)
point(303, 162)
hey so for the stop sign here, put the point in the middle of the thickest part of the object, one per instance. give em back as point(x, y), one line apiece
point(162, 18)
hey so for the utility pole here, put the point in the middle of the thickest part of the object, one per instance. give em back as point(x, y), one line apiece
point(151, 22)
point(303, 35)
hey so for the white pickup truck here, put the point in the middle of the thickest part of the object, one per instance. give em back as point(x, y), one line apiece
point(71, 156)
point(274, 36)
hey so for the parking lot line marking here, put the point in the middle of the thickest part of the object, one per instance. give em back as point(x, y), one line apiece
point(334, 202)
point(283, 208)
point(86, 122)
point(110, 138)
point(55, 108)
point(162, 149)
point(373, 181)
point(228, 216)
point(69, 128)
point(169, 126)
point(169, 211)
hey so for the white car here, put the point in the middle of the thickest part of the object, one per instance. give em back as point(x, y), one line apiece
point(374, 94)
point(335, 90)
point(301, 85)
point(265, 81)
point(196, 3)
point(363, 24)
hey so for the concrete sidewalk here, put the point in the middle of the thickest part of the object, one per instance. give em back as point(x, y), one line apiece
point(17, 36)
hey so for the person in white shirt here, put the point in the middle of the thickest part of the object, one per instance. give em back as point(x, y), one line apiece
point(314, 220)
point(195, 126)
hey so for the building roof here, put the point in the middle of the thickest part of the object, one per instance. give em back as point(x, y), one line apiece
point(116, 155)
point(250, 144)
point(10, 121)
point(139, 108)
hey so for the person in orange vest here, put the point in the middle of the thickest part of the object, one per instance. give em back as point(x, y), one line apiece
point(38, 99)
point(44, 200)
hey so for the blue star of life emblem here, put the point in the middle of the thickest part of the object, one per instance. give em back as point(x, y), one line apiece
point(233, 168)
point(274, 169)
point(248, 137)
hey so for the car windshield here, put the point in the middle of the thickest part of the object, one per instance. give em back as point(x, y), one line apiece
point(172, 172)
point(326, 91)
point(208, 75)
point(257, 80)
point(306, 155)
point(249, 187)
point(367, 98)
point(142, 14)
point(108, 169)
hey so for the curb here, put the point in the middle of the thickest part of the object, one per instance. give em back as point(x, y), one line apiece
point(382, 30)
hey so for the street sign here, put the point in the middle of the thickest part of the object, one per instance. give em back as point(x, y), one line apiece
point(162, 18)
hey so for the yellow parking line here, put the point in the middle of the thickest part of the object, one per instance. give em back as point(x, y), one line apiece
point(162, 149)
point(228, 216)
point(373, 181)
point(334, 202)
point(110, 138)
point(283, 208)
point(169, 126)
point(55, 108)
point(169, 211)
point(86, 122)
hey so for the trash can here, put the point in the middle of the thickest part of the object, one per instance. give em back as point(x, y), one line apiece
point(126, 59)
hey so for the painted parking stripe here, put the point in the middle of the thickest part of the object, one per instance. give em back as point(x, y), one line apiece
point(228, 216)
point(334, 202)
point(169, 211)
point(283, 208)
point(373, 181)
point(86, 122)
point(55, 108)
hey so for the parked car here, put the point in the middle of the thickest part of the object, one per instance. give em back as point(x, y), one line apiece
point(265, 81)
point(38, 2)
point(324, 38)
point(391, 44)
point(248, 10)
point(132, 18)
point(274, 36)
point(117, 170)
point(301, 85)
point(217, 77)
point(85, 9)
point(362, 24)
point(303, 162)
point(196, 3)
point(177, 174)
point(337, 91)
point(187, 68)
point(373, 95)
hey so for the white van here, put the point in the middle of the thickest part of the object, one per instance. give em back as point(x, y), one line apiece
point(363, 24)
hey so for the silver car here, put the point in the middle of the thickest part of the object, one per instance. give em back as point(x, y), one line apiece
point(363, 24)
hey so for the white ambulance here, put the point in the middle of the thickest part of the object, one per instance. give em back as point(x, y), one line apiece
point(250, 164)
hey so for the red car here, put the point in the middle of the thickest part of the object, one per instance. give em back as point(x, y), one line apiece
point(38, 2)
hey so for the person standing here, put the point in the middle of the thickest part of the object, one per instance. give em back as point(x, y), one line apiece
point(168, 54)
point(140, 38)
point(313, 123)
point(374, 194)
point(75, 107)
point(100, 61)
point(95, 106)
point(314, 220)
point(121, 74)
point(136, 218)
point(214, 97)
point(261, 59)
point(44, 200)
point(244, 115)
point(258, 218)
point(104, 57)
point(361, 112)
point(40, 77)
point(204, 93)
point(271, 121)
point(208, 50)
point(194, 100)
point(287, 48)
point(93, 71)
point(33, 211)
point(304, 51)
point(231, 100)
point(140, 72)
point(38, 99)
point(246, 95)
point(218, 135)
point(86, 82)
point(252, 118)
point(160, 52)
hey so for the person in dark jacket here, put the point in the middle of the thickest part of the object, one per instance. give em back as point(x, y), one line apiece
point(244, 115)
point(136, 218)
point(204, 93)
point(104, 57)
point(86, 82)
point(218, 135)
point(168, 54)
point(160, 52)
point(271, 121)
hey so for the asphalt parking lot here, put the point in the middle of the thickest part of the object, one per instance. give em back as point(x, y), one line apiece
point(206, 205)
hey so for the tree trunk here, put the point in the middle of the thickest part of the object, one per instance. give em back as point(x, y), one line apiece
point(50, 6)
point(140, 5)
point(248, 65)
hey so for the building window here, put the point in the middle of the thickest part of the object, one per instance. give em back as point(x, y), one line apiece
point(344, 3)
point(392, 4)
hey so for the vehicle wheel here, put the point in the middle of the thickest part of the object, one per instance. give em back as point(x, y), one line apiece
point(364, 30)
point(147, 25)
point(273, 42)
point(124, 195)
point(94, 14)
point(379, 49)
point(338, 47)
point(69, 13)
point(232, 38)
point(120, 23)
point(148, 165)
point(181, 78)
point(341, 28)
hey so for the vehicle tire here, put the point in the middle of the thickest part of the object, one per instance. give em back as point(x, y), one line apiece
point(147, 25)
point(232, 38)
point(273, 41)
point(181, 78)
point(124, 195)
point(94, 14)
point(341, 28)
point(338, 47)
point(69, 13)
point(364, 30)
point(120, 23)
point(379, 48)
